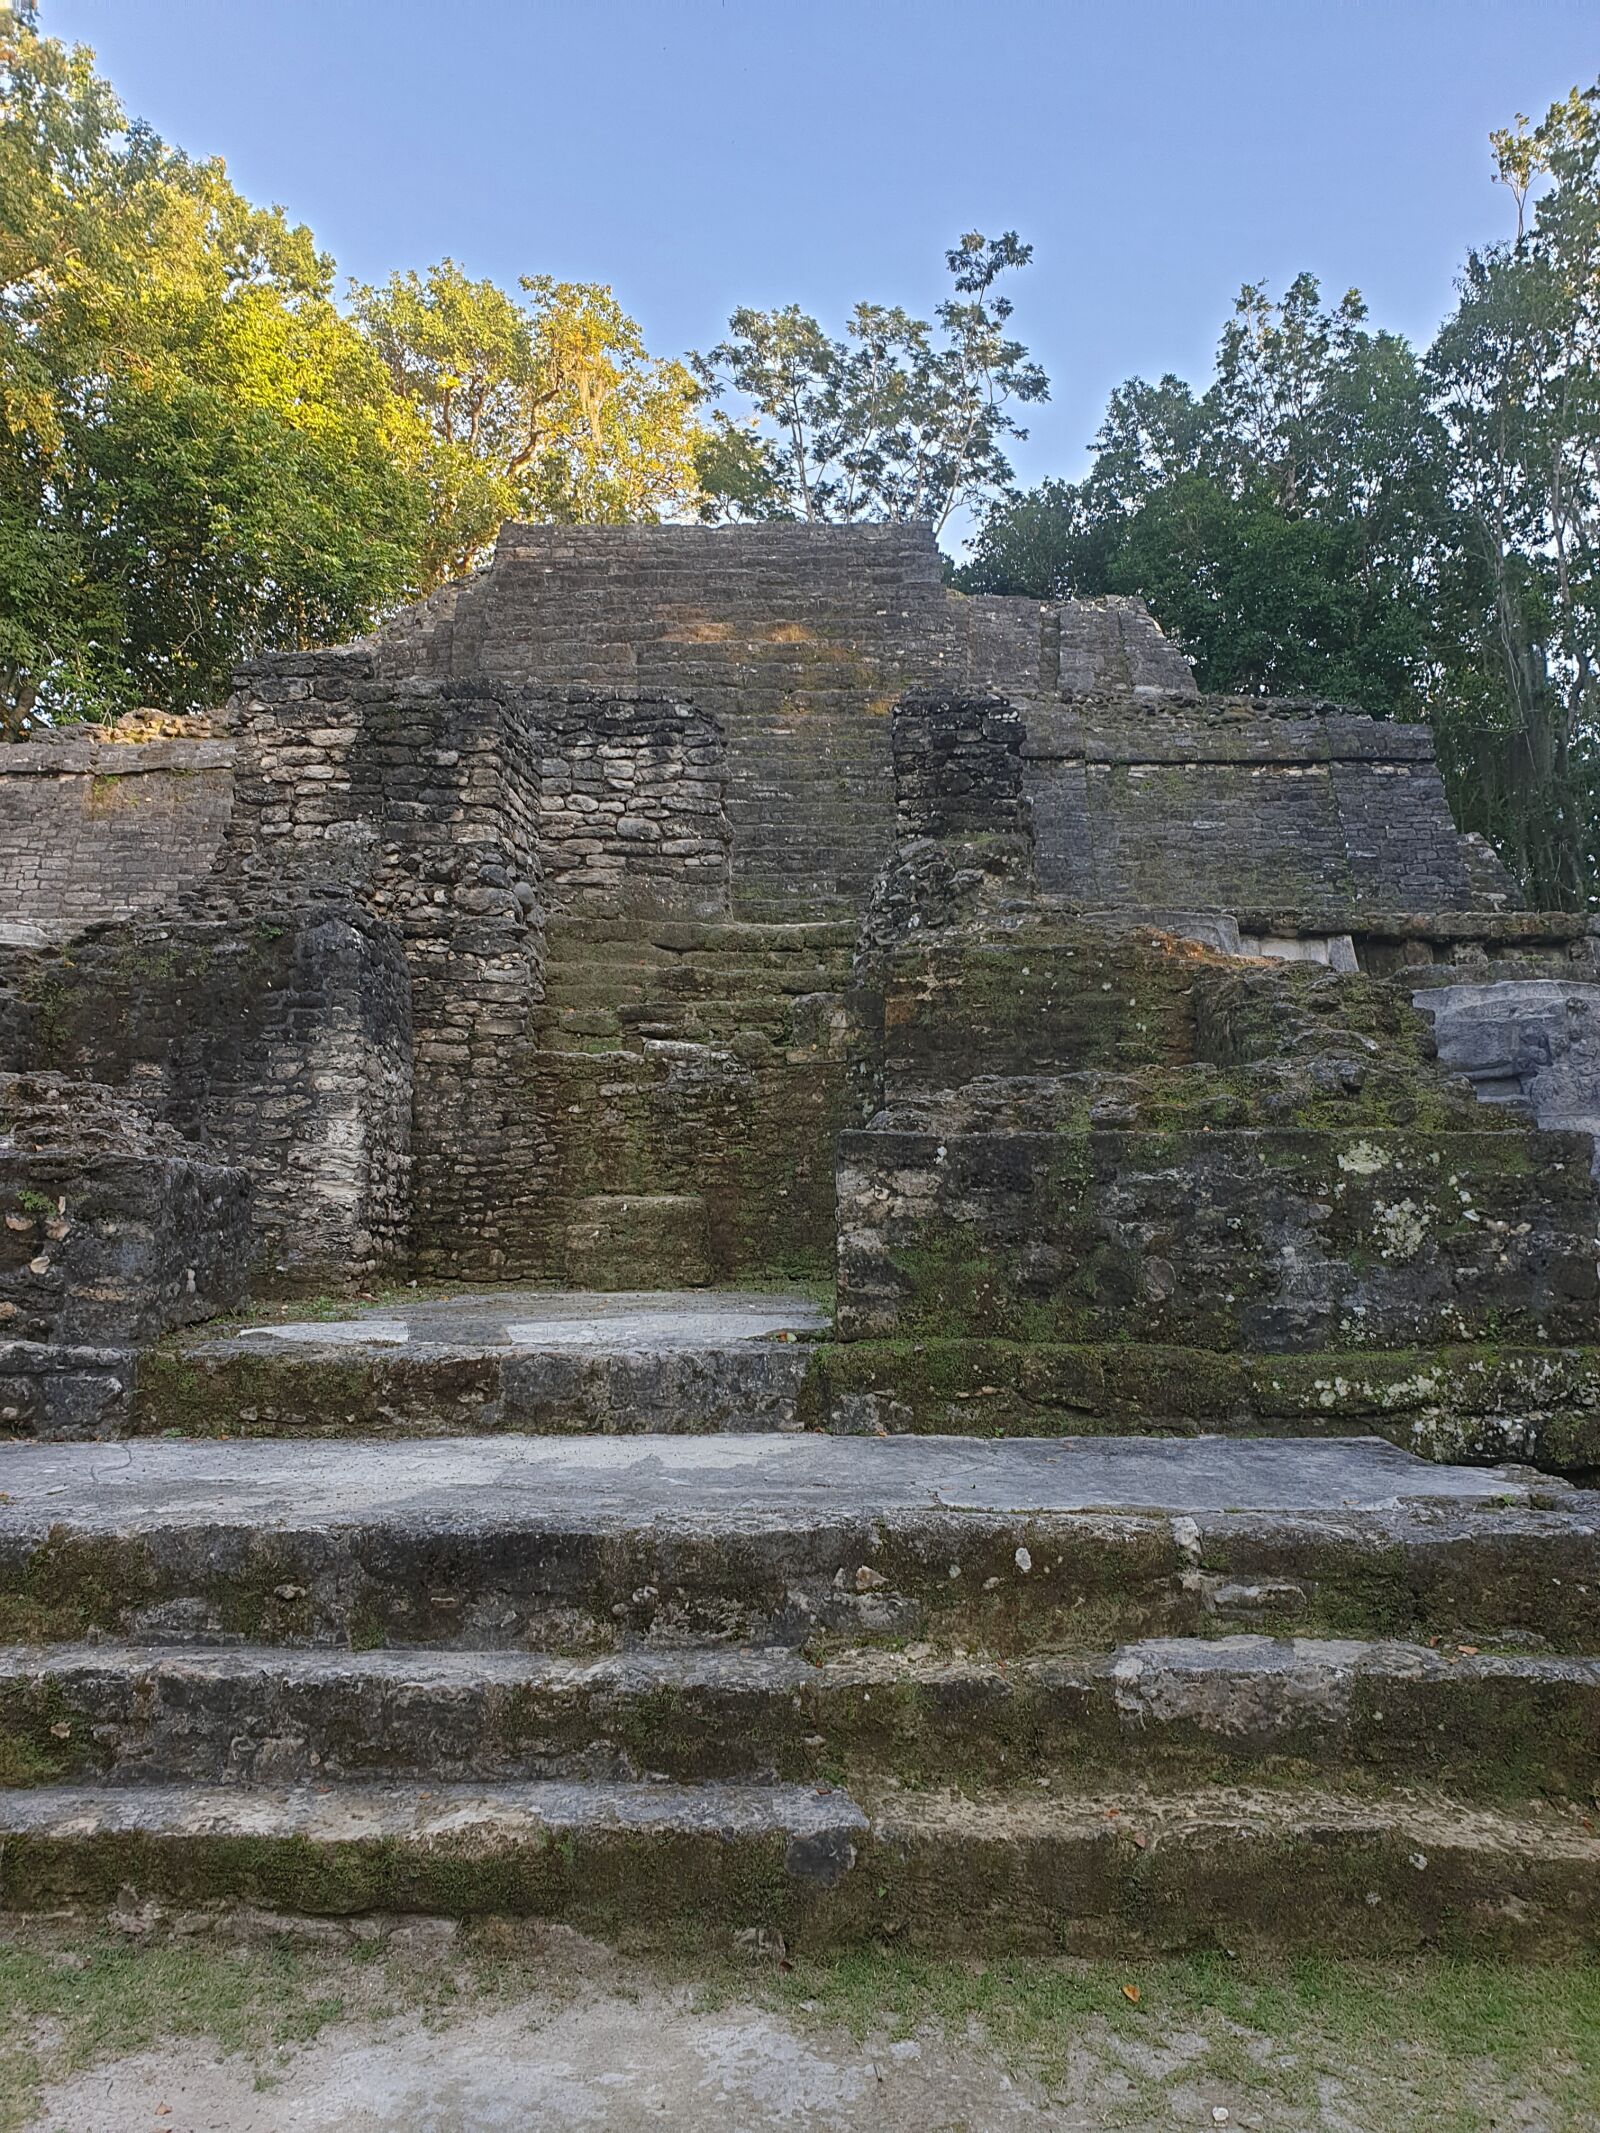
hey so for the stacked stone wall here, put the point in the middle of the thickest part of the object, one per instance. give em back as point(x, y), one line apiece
point(1013, 646)
point(1532, 1043)
point(957, 767)
point(1111, 645)
point(279, 1044)
point(94, 829)
point(1089, 1132)
point(420, 799)
point(1239, 804)
point(639, 726)
point(112, 1228)
point(1265, 1239)
point(795, 639)
point(632, 812)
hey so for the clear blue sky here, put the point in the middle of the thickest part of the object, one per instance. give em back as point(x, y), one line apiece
point(698, 154)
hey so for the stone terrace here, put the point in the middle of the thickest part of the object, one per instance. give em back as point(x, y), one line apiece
point(773, 1251)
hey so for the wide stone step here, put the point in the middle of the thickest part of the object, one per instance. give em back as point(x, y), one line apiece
point(744, 937)
point(1121, 1873)
point(550, 1361)
point(1538, 1405)
point(1487, 1725)
point(582, 1363)
point(763, 898)
point(584, 1543)
point(676, 1022)
point(700, 979)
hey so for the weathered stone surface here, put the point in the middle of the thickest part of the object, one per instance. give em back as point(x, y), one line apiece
point(1243, 804)
point(1085, 1135)
point(96, 826)
point(1536, 1405)
point(112, 1229)
point(1485, 1724)
point(1534, 1043)
point(543, 1361)
point(643, 724)
point(704, 1060)
point(957, 766)
point(1288, 1868)
point(48, 1389)
point(1540, 1405)
point(584, 1543)
point(633, 806)
point(1263, 1239)
point(423, 811)
point(280, 1045)
point(624, 1322)
point(633, 1237)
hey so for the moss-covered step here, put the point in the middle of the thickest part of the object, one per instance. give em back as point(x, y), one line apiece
point(683, 936)
point(1461, 1402)
point(589, 1543)
point(1266, 1240)
point(1120, 1873)
point(544, 1360)
point(1540, 1406)
point(1488, 1725)
point(237, 1387)
point(751, 1133)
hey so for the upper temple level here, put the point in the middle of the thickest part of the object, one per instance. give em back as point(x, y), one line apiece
point(754, 667)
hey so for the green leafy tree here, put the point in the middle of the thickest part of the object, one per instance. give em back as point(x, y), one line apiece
point(547, 408)
point(199, 456)
point(1516, 380)
point(1419, 538)
point(898, 419)
point(1272, 522)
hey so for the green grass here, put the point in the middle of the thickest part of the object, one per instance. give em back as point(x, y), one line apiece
point(101, 1999)
point(1421, 2045)
point(1429, 2044)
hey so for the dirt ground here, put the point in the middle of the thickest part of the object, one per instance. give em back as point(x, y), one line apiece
point(621, 2065)
point(422, 2029)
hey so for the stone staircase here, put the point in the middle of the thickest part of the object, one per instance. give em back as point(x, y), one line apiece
point(689, 1079)
point(1064, 1595)
point(811, 809)
point(1096, 1696)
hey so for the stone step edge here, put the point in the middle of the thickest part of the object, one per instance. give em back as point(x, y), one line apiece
point(1289, 1867)
point(689, 936)
point(1519, 1404)
point(1490, 1724)
point(560, 1543)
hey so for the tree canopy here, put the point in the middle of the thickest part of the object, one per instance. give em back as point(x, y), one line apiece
point(895, 419)
point(547, 408)
point(1415, 535)
point(199, 454)
point(206, 450)
point(203, 454)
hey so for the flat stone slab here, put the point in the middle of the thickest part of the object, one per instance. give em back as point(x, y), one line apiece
point(1134, 1870)
point(1170, 1708)
point(353, 1812)
point(577, 1543)
point(637, 1322)
point(726, 1483)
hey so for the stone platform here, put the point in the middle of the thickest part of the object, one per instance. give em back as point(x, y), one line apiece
point(1016, 1694)
point(709, 1361)
point(620, 1322)
point(557, 1361)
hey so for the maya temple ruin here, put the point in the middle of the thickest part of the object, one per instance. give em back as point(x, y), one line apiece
point(710, 1238)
